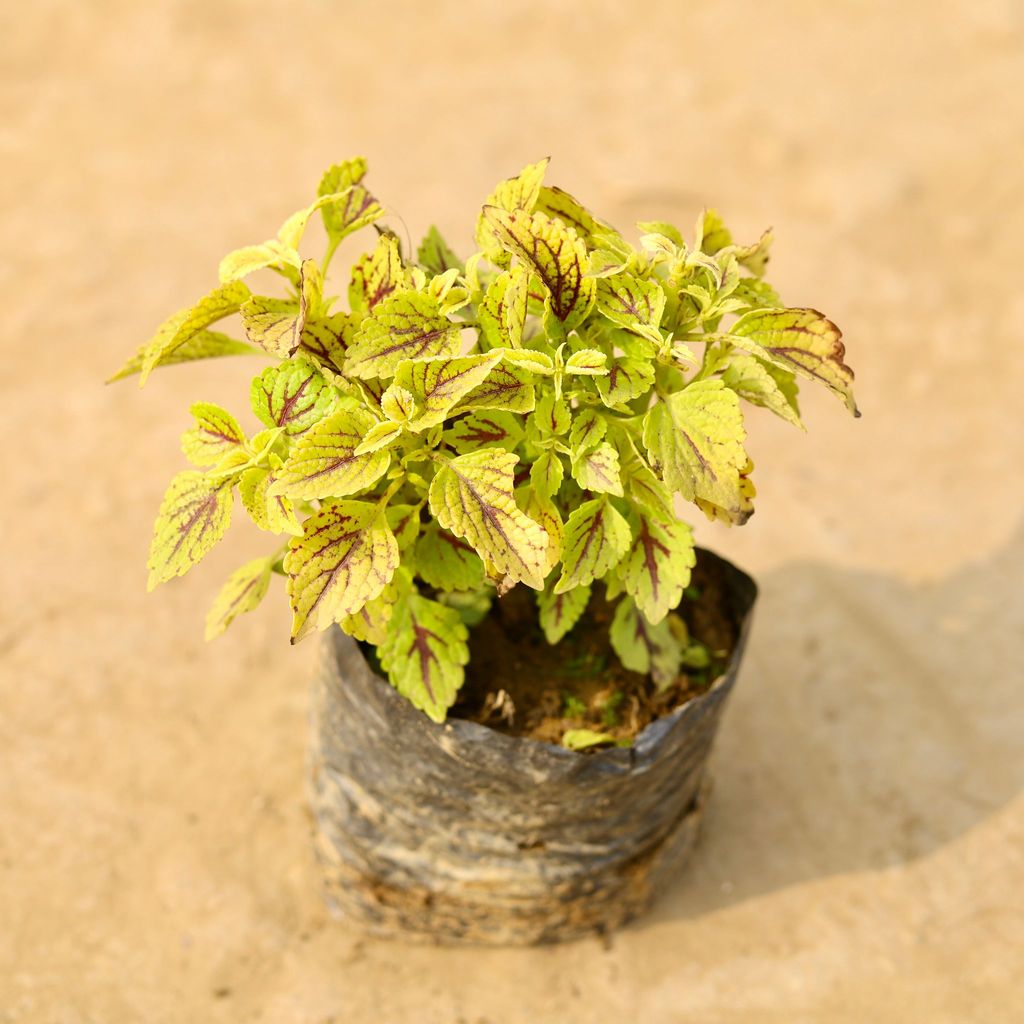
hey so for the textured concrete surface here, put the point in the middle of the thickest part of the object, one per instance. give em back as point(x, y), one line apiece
point(863, 857)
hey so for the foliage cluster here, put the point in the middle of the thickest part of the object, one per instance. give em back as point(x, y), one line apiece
point(458, 427)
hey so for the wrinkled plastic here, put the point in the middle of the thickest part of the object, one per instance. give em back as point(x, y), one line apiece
point(458, 833)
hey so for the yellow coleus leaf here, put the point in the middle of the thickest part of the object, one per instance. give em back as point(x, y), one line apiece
point(656, 568)
point(596, 538)
point(325, 462)
point(802, 340)
point(502, 314)
point(406, 325)
point(355, 208)
point(244, 590)
point(447, 562)
point(586, 739)
point(762, 383)
point(645, 648)
point(344, 559)
point(293, 395)
point(194, 515)
point(276, 325)
point(435, 255)
point(424, 653)
point(518, 193)
point(472, 496)
point(694, 438)
point(558, 613)
point(597, 470)
point(274, 513)
point(327, 338)
point(541, 509)
point(556, 202)
point(626, 379)
point(633, 304)
point(376, 275)
point(508, 388)
point(747, 493)
point(180, 329)
point(271, 254)
point(554, 253)
point(215, 434)
point(204, 345)
point(436, 385)
point(370, 623)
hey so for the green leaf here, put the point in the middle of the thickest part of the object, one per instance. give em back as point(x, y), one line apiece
point(560, 612)
point(194, 515)
point(554, 253)
point(802, 340)
point(546, 473)
point(377, 275)
point(244, 590)
point(293, 396)
point(472, 496)
point(434, 255)
point(518, 193)
point(215, 434)
point(542, 510)
point(406, 325)
point(632, 304)
point(345, 558)
point(507, 388)
point(270, 254)
point(276, 325)
point(424, 653)
point(586, 739)
point(626, 379)
point(502, 314)
point(657, 567)
point(484, 429)
point(587, 362)
point(598, 470)
point(557, 203)
point(438, 384)
point(404, 521)
point(643, 486)
point(380, 435)
point(327, 338)
point(764, 384)
point(596, 538)
point(370, 623)
point(183, 327)
point(324, 463)
point(398, 404)
point(589, 427)
point(204, 345)
point(273, 513)
point(711, 234)
point(754, 257)
point(355, 207)
point(552, 417)
point(695, 438)
point(446, 562)
point(530, 359)
point(641, 647)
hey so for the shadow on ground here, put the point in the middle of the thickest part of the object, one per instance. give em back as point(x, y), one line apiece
point(873, 722)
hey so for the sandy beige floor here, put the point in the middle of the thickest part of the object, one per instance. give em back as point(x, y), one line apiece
point(864, 855)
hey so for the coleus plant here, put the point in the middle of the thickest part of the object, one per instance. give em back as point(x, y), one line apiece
point(459, 427)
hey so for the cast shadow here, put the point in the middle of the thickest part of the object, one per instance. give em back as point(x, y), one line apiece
point(872, 722)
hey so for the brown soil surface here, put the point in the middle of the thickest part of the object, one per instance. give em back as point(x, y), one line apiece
point(863, 852)
point(518, 683)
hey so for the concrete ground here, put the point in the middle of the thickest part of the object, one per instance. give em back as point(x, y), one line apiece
point(863, 859)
